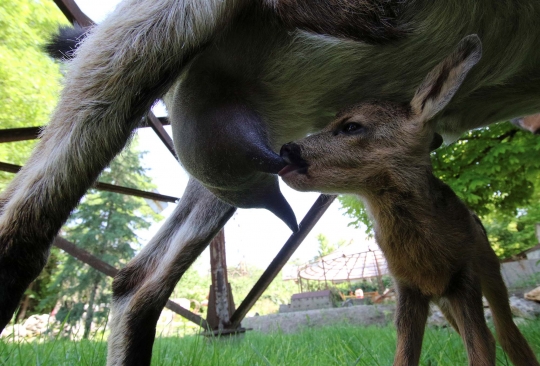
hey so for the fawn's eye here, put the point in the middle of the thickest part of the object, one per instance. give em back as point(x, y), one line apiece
point(352, 128)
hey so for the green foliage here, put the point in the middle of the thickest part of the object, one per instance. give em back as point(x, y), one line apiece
point(355, 210)
point(195, 284)
point(491, 169)
point(325, 247)
point(279, 292)
point(512, 234)
point(105, 225)
point(495, 171)
point(346, 288)
point(29, 80)
point(29, 86)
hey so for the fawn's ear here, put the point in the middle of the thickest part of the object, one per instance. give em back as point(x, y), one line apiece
point(440, 85)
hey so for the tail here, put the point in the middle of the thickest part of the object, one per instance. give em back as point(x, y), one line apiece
point(62, 45)
point(124, 64)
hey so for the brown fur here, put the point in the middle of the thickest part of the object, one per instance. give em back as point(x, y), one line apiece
point(437, 250)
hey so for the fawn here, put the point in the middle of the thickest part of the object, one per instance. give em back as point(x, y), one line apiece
point(437, 249)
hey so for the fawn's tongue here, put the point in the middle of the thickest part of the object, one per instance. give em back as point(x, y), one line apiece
point(289, 168)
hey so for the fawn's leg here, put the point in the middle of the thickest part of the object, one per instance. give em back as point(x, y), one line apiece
point(465, 298)
point(142, 288)
point(508, 335)
point(411, 315)
point(444, 305)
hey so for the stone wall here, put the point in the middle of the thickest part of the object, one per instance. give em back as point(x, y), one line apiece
point(519, 273)
point(362, 315)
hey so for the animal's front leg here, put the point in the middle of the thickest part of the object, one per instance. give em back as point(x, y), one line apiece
point(411, 316)
point(142, 288)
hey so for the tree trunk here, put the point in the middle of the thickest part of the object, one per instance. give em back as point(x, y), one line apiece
point(90, 310)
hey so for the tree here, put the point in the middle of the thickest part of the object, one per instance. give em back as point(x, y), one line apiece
point(325, 247)
point(491, 169)
point(495, 171)
point(195, 285)
point(29, 85)
point(511, 234)
point(104, 224)
point(29, 80)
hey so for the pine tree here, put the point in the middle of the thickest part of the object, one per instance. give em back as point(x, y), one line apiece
point(105, 225)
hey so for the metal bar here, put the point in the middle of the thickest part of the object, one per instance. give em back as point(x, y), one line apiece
point(312, 217)
point(185, 313)
point(19, 134)
point(146, 123)
point(85, 256)
point(157, 126)
point(110, 271)
point(32, 133)
point(134, 192)
point(74, 14)
point(12, 168)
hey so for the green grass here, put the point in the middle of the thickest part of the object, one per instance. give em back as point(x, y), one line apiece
point(337, 345)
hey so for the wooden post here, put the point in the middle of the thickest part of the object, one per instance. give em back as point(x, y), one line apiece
point(220, 301)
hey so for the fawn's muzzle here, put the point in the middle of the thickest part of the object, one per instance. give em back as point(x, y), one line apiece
point(292, 155)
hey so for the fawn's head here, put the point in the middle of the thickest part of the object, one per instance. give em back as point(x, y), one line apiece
point(370, 141)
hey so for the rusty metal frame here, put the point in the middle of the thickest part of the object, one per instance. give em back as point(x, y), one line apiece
point(223, 322)
point(312, 217)
point(12, 168)
point(33, 133)
point(110, 271)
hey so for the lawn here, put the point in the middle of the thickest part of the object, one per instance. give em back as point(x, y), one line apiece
point(336, 345)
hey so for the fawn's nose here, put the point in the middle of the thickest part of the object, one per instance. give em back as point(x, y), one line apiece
point(291, 153)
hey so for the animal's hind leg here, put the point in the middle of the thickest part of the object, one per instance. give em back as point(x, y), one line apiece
point(465, 299)
point(508, 334)
point(38, 201)
point(445, 307)
point(142, 288)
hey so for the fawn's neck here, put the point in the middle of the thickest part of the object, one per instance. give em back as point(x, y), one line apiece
point(406, 206)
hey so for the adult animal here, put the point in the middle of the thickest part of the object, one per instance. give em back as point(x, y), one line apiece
point(241, 78)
